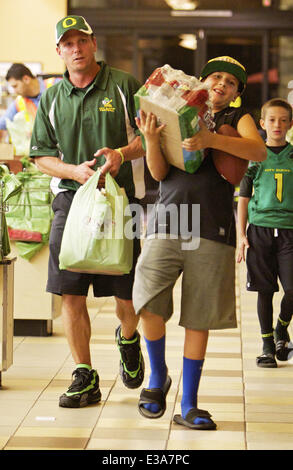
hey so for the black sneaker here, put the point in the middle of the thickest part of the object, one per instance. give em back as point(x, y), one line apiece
point(84, 389)
point(282, 342)
point(131, 360)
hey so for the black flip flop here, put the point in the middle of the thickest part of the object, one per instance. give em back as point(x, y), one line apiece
point(192, 414)
point(266, 360)
point(155, 396)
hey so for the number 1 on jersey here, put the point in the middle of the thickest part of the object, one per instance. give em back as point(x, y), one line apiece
point(279, 185)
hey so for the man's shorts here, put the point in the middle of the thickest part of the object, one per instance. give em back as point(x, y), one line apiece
point(208, 282)
point(269, 257)
point(67, 282)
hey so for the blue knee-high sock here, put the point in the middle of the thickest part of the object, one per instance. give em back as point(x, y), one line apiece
point(156, 352)
point(191, 377)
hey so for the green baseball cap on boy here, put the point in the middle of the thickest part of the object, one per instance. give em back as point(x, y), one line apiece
point(72, 22)
point(226, 64)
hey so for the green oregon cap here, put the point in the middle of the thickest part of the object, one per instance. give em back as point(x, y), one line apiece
point(72, 22)
point(225, 64)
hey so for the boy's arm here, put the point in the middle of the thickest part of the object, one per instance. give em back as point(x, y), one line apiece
point(242, 215)
point(156, 161)
point(250, 147)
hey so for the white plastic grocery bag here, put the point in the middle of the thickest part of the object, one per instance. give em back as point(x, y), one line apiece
point(94, 238)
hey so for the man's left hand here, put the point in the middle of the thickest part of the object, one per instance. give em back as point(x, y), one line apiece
point(113, 161)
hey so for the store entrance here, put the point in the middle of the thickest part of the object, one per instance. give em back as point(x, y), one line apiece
point(248, 50)
point(189, 52)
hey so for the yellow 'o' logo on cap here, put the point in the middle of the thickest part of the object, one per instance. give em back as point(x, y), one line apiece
point(69, 22)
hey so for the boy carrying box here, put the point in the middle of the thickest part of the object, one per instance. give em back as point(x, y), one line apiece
point(208, 263)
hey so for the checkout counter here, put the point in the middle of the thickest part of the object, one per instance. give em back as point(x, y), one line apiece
point(34, 308)
point(6, 313)
point(6, 295)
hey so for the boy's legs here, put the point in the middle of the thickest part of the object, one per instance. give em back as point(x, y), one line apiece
point(265, 317)
point(285, 271)
point(154, 334)
point(281, 332)
point(262, 277)
point(194, 353)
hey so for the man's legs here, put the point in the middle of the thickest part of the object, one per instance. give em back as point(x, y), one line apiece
point(84, 389)
point(126, 314)
point(128, 342)
point(77, 327)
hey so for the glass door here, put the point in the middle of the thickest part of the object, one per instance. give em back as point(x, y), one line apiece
point(248, 50)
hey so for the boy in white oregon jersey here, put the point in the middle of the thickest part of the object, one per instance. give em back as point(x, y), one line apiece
point(266, 198)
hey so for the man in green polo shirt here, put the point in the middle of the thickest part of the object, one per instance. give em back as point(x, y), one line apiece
point(84, 121)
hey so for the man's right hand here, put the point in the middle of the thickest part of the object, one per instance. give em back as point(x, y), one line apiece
point(84, 171)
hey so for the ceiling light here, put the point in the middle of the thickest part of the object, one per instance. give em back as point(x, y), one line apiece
point(182, 4)
point(204, 13)
point(188, 41)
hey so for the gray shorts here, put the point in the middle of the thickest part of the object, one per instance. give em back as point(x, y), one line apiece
point(208, 282)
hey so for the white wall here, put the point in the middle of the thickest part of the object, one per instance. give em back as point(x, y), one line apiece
point(27, 32)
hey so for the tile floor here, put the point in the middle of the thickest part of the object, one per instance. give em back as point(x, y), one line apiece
point(253, 407)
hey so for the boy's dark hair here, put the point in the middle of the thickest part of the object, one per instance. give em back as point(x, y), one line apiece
point(276, 102)
point(17, 71)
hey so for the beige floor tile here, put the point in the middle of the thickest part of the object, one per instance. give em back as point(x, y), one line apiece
point(14, 411)
point(26, 431)
point(268, 417)
point(271, 399)
point(271, 428)
point(206, 440)
point(50, 412)
point(133, 423)
point(132, 433)
point(3, 441)
point(17, 389)
point(49, 443)
point(269, 441)
point(125, 444)
point(28, 373)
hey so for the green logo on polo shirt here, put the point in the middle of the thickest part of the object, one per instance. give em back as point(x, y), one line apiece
point(107, 105)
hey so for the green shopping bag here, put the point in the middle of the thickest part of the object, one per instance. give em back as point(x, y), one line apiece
point(9, 187)
point(95, 238)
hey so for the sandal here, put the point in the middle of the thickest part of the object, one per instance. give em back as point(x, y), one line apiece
point(192, 414)
point(266, 360)
point(155, 396)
